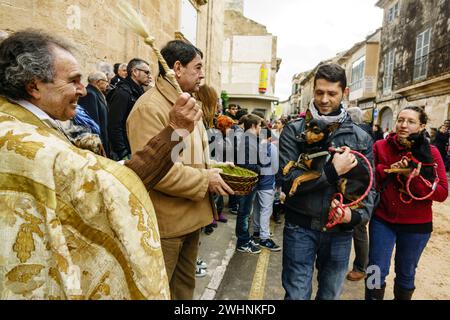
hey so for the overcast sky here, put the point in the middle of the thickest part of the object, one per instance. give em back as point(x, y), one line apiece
point(310, 31)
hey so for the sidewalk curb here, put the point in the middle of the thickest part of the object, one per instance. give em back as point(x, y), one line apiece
point(211, 289)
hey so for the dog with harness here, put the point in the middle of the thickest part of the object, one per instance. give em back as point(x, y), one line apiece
point(352, 185)
point(418, 162)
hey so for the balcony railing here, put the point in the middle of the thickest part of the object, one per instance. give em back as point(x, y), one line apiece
point(434, 64)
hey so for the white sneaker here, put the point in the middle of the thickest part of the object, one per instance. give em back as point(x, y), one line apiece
point(200, 273)
point(201, 264)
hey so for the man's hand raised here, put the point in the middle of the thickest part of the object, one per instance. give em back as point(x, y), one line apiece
point(184, 114)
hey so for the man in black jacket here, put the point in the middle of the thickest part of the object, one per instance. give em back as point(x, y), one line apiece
point(307, 241)
point(122, 101)
point(120, 71)
point(94, 103)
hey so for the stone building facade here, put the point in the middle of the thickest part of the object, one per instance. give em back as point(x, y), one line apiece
point(414, 59)
point(247, 47)
point(407, 63)
point(361, 67)
point(295, 98)
point(102, 40)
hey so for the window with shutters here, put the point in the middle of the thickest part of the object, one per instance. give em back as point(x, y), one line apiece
point(389, 61)
point(358, 74)
point(421, 57)
point(393, 12)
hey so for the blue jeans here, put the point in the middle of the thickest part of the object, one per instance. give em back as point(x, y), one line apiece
point(244, 211)
point(361, 245)
point(233, 202)
point(409, 248)
point(301, 248)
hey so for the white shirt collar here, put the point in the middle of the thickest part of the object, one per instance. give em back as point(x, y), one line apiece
point(44, 117)
point(33, 109)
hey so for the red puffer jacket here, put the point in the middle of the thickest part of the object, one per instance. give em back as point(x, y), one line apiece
point(391, 208)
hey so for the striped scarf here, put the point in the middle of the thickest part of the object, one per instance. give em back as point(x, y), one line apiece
point(326, 118)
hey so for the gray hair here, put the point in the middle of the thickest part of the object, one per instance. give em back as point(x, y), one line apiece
point(105, 67)
point(95, 76)
point(27, 56)
point(356, 114)
point(135, 63)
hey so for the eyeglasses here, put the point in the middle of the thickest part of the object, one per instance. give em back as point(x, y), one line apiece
point(147, 72)
point(408, 121)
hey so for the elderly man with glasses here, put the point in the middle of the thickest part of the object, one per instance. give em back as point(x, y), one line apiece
point(121, 103)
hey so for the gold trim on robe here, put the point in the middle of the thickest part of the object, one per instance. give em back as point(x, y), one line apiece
point(73, 225)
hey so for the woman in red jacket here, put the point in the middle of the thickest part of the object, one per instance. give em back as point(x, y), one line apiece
point(408, 227)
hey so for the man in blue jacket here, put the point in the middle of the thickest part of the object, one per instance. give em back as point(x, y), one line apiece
point(306, 239)
point(248, 157)
point(265, 192)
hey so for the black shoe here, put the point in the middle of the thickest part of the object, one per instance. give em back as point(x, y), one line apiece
point(401, 293)
point(269, 244)
point(375, 294)
point(209, 229)
point(255, 237)
point(233, 211)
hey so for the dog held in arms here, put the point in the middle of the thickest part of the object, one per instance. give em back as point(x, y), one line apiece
point(419, 158)
point(315, 139)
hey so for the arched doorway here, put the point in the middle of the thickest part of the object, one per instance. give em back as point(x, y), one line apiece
point(386, 118)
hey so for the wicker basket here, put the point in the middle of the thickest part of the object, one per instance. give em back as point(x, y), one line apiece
point(239, 179)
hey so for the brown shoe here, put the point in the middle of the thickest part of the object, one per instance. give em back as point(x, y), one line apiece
point(355, 275)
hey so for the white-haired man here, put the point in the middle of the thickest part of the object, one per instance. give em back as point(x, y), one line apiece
point(94, 102)
point(73, 225)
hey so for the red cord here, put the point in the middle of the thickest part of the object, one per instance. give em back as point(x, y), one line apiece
point(409, 157)
point(427, 183)
point(331, 223)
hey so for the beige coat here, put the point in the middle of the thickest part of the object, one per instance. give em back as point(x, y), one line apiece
point(181, 198)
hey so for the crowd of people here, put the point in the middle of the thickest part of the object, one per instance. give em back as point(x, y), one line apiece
point(106, 188)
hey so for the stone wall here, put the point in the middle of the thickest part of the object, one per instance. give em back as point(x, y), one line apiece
point(414, 18)
point(237, 24)
point(211, 37)
point(236, 5)
point(99, 37)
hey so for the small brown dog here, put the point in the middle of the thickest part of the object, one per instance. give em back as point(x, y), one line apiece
point(316, 146)
point(419, 146)
point(352, 185)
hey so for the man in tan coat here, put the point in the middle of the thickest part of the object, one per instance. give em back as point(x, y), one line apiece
point(181, 198)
